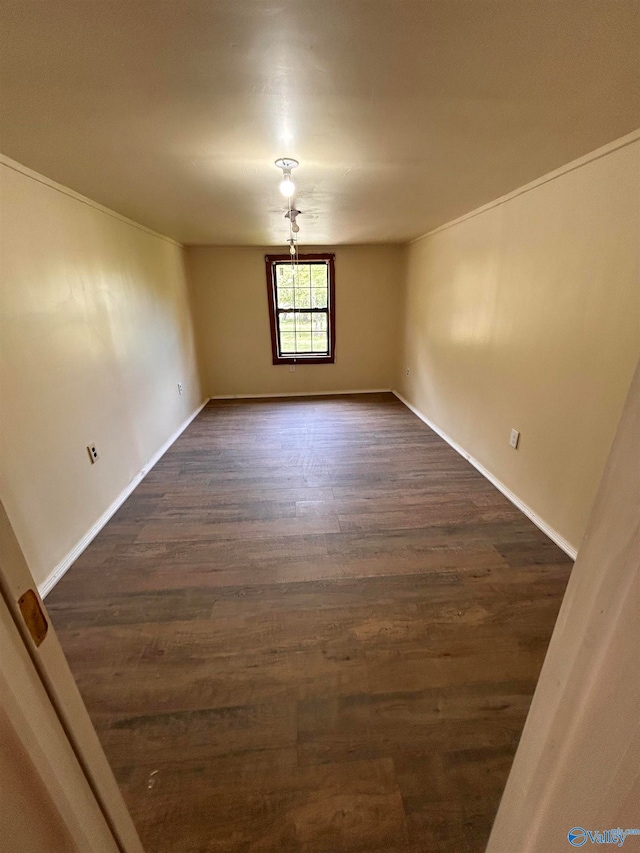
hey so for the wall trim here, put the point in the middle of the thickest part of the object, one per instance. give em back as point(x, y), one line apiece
point(275, 395)
point(549, 531)
point(616, 145)
point(42, 179)
point(69, 559)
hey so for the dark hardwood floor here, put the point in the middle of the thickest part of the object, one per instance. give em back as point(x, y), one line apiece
point(313, 627)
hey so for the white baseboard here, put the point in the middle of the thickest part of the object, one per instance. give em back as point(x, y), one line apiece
point(553, 534)
point(276, 395)
point(67, 561)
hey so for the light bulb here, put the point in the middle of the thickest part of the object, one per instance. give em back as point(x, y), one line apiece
point(295, 227)
point(287, 186)
point(292, 249)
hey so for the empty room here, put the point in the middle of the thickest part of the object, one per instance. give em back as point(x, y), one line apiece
point(320, 426)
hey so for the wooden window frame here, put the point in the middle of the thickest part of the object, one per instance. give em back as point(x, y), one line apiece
point(270, 263)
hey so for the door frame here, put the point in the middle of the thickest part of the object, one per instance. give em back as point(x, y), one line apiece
point(58, 703)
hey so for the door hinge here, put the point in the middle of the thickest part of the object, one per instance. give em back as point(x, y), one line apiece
point(33, 616)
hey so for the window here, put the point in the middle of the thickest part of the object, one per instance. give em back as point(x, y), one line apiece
point(301, 308)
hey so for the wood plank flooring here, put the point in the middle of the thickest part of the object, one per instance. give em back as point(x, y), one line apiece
point(313, 627)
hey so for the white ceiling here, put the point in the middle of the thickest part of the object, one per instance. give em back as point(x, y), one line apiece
point(404, 114)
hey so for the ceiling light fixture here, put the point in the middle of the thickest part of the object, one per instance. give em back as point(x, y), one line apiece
point(292, 215)
point(287, 187)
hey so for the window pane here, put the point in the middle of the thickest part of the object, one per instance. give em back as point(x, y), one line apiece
point(303, 332)
point(303, 321)
point(287, 343)
point(303, 342)
point(320, 334)
point(284, 275)
point(319, 323)
point(302, 297)
point(285, 297)
point(287, 333)
point(319, 275)
point(302, 275)
point(319, 297)
point(320, 342)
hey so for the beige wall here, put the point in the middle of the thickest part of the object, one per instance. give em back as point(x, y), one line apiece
point(96, 333)
point(527, 315)
point(578, 758)
point(232, 322)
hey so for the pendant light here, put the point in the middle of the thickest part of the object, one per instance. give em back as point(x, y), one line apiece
point(287, 164)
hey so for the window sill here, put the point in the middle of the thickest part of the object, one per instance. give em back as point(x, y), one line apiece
point(301, 359)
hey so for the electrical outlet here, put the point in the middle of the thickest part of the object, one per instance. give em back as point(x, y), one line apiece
point(292, 368)
point(408, 370)
point(179, 387)
point(515, 438)
point(93, 453)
